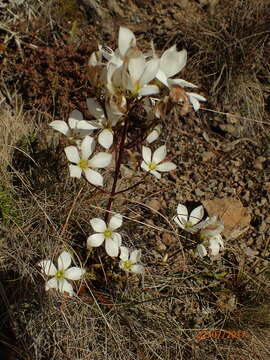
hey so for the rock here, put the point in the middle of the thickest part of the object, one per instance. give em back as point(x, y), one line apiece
point(236, 218)
point(154, 204)
point(207, 155)
point(258, 162)
point(198, 192)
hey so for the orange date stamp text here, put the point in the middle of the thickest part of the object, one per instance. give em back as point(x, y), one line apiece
point(221, 334)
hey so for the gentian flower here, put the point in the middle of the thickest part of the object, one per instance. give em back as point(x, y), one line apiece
point(129, 260)
point(106, 233)
point(61, 274)
point(82, 164)
point(152, 163)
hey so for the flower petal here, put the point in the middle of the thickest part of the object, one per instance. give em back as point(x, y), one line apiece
point(87, 125)
point(146, 154)
point(74, 273)
point(65, 287)
point(182, 211)
point(95, 109)
point(124, 253)
point(201, 250)
point(60, 126)
point(149, 90)
point(179, 222)
point(101, 160)
point(47, 267)
point(87, 147)
point(51, 284)
point(144, 166)
point(72, 154)
point(150, 71)
point(154, 134)
point(196, 215)
point(93, 177)
point(182, 83)
point(159, 154)
point(126, 39)
point(172, 61)
point(98, 225)
point(95, 240)
point(135, 256)
point(214, 246)
point(105, 138)
point(74, 117)
point(112, 246)
point(64, 260)
point(75, 171)
point(197, 96)
point(137, 269)
point(162, 77)
point(155, 173)
point(136, 67)
point(167, 166)
point(115, 222)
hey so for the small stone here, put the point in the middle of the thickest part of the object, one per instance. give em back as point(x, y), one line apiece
point(267, 220)
point(198, 192)
point(258, 162)
point(154, 204)
point(250, 183)
point(207, 155)
point(262, 227)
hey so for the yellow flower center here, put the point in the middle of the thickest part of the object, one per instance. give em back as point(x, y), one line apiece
point(152, 166)
point(83, 164)
point(188, 225)
point(107, 233)
point(127, 265)
point(59, 275)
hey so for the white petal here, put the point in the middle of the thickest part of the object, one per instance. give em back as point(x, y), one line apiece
point(167, 166)
point(98, 225)
point(75, 171)
point(65, 287)
point(124, 253)
point(74, 273)
point(95, 109)
point(64, 260)
point(137, 269)
point(51, 284)
point(149, 90)
point(87, 147)
point(197, 96)
point(155, 173)
point(135, 256)
point(136, 67)
point(101, 160)
point(126, 39)
point(144, 166)
point(196, 215)
point(201, 250)
point(112, 246)
point(72, 154)
point(182, 83)
point(162, 77)
point(182, 211)
point(74, 117)
point(172, 62)
point(214, 247)
point(195, 103)
point(105, 138)
point(146, 154)
point(48, 267)
point(87, 125)
point(159, 154)
point(106, 51)
point(178, 221)
point(150, 71)
point(154, 134)
point(93, 177)
point(60, 126)
point(95, 240)
point(115, 222)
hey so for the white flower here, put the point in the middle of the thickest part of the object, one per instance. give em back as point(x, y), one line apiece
point(212, 227)
point(112, 239)
point(171, 62)
point(61, 273)
point(187, 221)
point(82, 164)
point(215, 244)
point(154, 134)
point(105, 137)
point(152, 163)
point(76, 128)
point(129, 260)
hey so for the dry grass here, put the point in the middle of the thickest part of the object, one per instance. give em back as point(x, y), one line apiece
point(114, 317)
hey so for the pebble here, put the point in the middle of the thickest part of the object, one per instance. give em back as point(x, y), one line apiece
point(198, 192)
point(267, 220)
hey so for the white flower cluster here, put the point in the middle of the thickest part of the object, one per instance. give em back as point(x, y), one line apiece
point(123, 78)
point(208, 230)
